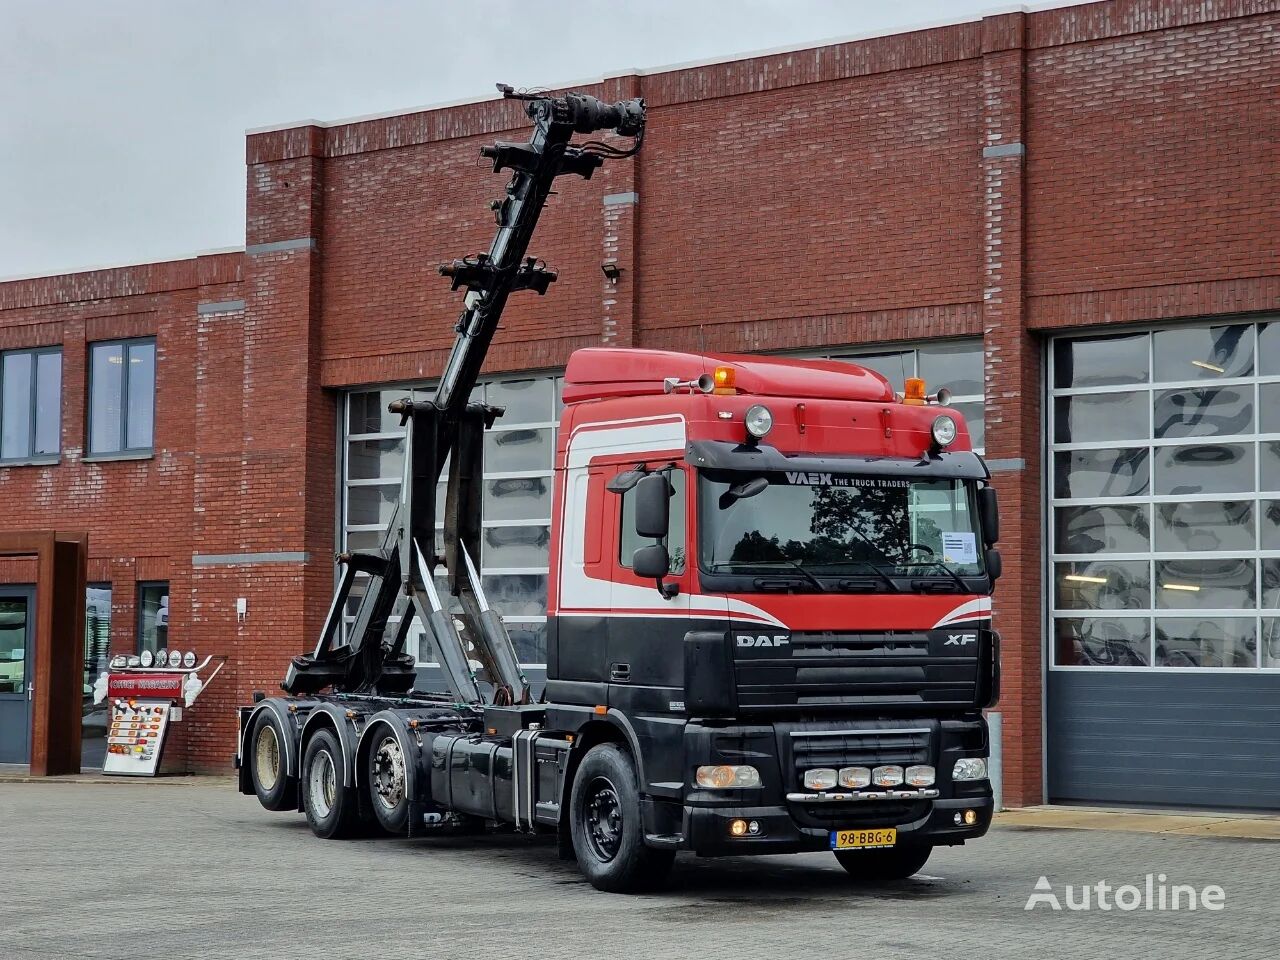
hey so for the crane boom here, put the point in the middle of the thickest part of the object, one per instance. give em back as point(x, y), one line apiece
point(450, 428)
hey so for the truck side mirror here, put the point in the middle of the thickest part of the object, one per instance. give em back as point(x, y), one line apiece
point(989, 515)
point(653, 506)
point(651, 562)
point(995, 565)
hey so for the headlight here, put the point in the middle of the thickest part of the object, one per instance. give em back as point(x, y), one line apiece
point(188, 659)
point(759, 420)
point(823, 778)
point(162, 658)
point(943, 430)
point(727, 777)
point(921, 775)
point(970, 768)
point(175, 658)
point(854, 777)
point(889, 776)
point(147, 658)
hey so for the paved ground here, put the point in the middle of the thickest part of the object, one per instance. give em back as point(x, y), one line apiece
point(191, 869)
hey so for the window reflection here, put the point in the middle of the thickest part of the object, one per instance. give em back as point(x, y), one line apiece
point(1206, 642)
point(1103, 585)
point(1203, 413)
point(1204, 468)
point(1102, 642)
point(1101, 361)
point(1101, 416)
point(1094, 529)
point(1218, 584)
point(1101, 473)
point(1203, 353)
point(1200, 525)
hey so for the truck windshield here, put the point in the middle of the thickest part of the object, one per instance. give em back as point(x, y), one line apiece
point(840, 525)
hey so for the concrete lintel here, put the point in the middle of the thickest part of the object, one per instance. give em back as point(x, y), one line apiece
point(618, 199)
point(1004, 150)
point(222, 306)
point(1010, 465)
point(249, 559)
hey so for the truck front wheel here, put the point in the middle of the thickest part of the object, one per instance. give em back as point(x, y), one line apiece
point(880, 866)
point(329, 804)
point(605, 825)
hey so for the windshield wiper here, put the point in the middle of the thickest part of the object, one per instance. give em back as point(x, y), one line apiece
point(877, 571)
point(792, 563)
point(964, 587)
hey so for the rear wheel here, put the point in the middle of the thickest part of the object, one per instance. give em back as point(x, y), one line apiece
point(880, 866)
point(329, 805)
point(266, 759)
point(388, 780)
point(605, 824)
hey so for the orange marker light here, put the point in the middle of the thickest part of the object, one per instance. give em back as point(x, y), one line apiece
point(602, 710)
point(913, 393)
point(725, 379)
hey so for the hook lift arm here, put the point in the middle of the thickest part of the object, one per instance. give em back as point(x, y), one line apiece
point(401, 572)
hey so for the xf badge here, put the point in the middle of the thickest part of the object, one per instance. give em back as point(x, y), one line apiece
point(960, 639)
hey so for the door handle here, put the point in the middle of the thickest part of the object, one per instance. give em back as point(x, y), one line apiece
point(620, 672)
point(30, 687)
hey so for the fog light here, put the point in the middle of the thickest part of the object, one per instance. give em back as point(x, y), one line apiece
point(958, 818)
point(970, 768)
point(726, 777)
point(890, 776)
point(970, 817)
point(855, 777)
point(753, 828)
point(759, 420)
point(738, 828)
point(943, 430)
point(823, 778)
point(920, 776)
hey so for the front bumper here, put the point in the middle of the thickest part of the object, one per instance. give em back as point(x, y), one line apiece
point(707, 830)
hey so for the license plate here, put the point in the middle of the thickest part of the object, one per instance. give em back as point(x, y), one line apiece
point(863, 839)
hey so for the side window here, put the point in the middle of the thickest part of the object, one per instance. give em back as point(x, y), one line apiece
point(630, 543)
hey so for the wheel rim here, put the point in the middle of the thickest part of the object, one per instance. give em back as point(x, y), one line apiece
point(389, 774)
point(602, 818)
point(323, 783)
point(266, 757)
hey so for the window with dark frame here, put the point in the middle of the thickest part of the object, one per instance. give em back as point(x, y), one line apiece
point(30, 405)
point(153, 616)
point(122, 397)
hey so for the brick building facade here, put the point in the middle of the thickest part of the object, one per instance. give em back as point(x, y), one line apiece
point(998, 181)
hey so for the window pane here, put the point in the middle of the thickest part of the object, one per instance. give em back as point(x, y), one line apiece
point(14, 616)
point(367, 412)
point(530, 641)
point(142, 396)
point(1204, 526)
point(1271, 584)
point(1271, 642)
point(106, 371)
point(1120, 529)
point(516, 546)
point(1269, 349)
point(364, 540)
point(1102, 642)
point(48, 403)
point(1269, 405)
point(1204, 353)
point(507, 451)
point(1269, 469)
point(629, 542)
point(1102, 416)
point(956, 366)
point(15, 405)
point(525, 401)
point(518, 498)
point(1207, 468)
point(97, 634)
point(517, 595)
point(894, 367)
point(1192, 642)
point(1269, 514)
point(1101, 473)
point(371, 504)
point(153, 616)
point(1101, 361)
point(374, 459)
point(1103, 585)
point(1214, 412)
point(973, 416)
point(1219, 584)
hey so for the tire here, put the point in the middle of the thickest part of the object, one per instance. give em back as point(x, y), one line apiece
point(265, 755)
point(387, 774)
point(882, 866)
point(330, 806)
point(606, 829)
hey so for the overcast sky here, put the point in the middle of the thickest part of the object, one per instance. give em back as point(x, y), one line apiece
point(122, 121)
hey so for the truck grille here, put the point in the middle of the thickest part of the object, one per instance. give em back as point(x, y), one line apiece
point(872, 813)
point(851, 669)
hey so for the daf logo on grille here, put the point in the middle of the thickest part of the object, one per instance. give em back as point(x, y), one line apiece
point(763, 640)
point(960, 639)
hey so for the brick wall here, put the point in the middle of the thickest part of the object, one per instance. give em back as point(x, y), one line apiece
point(1109, 162)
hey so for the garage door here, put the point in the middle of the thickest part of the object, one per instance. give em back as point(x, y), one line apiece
point(1164, 546)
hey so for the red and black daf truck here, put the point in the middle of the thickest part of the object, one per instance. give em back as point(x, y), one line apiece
point(769, 607)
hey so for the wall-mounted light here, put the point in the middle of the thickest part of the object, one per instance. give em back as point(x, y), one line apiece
point(611, 271)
